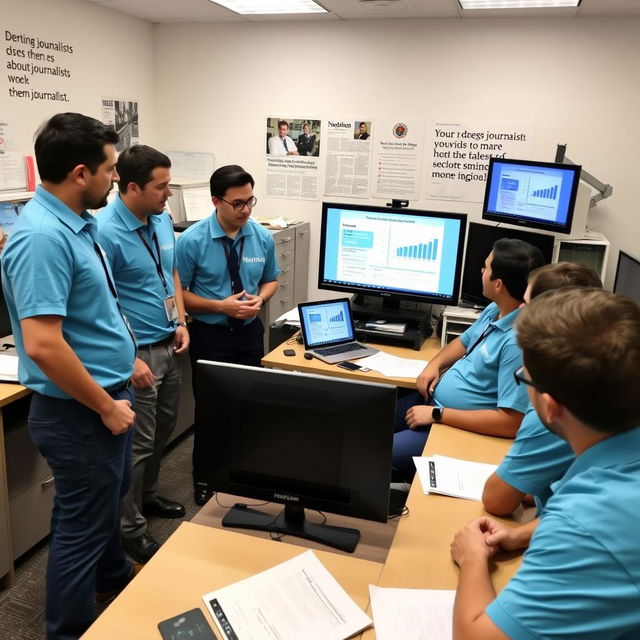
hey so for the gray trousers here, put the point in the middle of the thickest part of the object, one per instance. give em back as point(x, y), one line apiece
point(156, 414)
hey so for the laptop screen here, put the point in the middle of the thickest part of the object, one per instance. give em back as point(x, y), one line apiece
point(325, 323)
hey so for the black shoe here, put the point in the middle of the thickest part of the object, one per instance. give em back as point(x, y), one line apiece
point(141, 548)
point(163, 508)
point(202, 495)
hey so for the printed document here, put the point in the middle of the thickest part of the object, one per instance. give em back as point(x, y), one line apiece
point(296, 599)
point(393, 366)
point(453, 477)
point(412, 614)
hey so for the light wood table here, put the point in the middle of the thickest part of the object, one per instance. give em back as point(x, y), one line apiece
point(277, 360)
point(196, 560)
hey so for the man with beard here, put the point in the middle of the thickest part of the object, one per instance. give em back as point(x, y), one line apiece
point(76, 354)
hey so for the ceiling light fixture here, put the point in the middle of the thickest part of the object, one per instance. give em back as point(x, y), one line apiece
point(265, 7)
point(517, 4)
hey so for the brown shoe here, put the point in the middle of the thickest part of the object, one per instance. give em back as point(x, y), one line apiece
point(106, 597)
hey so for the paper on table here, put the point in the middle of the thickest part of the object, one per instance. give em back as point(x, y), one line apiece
point(412, 614)
point(394, 366)
point(296, 599)
point(290, 317)
point(453, 477)
point(8, 368)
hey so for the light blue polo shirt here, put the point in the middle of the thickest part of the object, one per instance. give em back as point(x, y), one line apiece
point(483, 379)
point(580, 577)
point(202, 263)
point(51, 267)
point(141, 291)
point(536, 459)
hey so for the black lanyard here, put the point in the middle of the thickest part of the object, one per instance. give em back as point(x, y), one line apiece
point(156, 261)
point(487, 330)
point(227, 255)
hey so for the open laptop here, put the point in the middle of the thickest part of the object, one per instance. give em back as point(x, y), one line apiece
point(328, 332)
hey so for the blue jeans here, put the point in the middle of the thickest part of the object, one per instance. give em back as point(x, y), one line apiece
point(407, 442)
point(91, 468)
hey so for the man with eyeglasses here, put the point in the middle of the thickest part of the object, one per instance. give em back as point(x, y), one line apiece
point(228, 269)
point(580, 575)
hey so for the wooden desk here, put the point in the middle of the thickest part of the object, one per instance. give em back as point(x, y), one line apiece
point(196, 560)
point(277, 360)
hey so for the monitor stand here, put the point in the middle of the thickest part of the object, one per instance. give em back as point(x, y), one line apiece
point(292, 522)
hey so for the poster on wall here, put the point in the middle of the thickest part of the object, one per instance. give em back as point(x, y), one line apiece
point(12, 169)
point(122, 115)
point(348, 157)
point(397, 159)
point(460, 152)
point(293, 152)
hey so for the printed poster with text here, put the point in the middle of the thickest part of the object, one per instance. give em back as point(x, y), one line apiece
point(460, 152)
point(397, 159)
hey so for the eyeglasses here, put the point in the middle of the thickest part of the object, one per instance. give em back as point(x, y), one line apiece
point(520, 379)
point(239, 205)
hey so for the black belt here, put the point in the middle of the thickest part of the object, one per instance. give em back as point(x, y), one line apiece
point(119, 388)
point(162, 343)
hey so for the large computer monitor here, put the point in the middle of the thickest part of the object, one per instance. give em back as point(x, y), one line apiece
point(480, 240)
point(541, 195)
point(627, 281)
point(393, 253)
point(302, 440)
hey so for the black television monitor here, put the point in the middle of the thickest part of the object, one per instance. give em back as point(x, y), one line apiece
point(480, 240)
point(5, 320)
point(393, 253)
point(541, 195)
point(302, 440)
point(627, 281)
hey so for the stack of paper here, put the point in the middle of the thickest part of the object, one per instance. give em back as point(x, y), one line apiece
point(387, 327)
point(453, 477)
point(293, 600)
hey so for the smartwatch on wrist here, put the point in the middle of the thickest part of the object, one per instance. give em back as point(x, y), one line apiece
point(436, 414)
point(181, 324)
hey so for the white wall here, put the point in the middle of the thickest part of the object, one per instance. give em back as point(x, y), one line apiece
point(576, 80)
point(113, 57)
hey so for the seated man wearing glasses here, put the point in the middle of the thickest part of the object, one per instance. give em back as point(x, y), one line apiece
point(228, 269)
point(580, 576)
point(469, 384)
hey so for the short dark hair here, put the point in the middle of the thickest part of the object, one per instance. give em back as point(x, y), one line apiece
point(582, 346)
point(70, 139)
point(560, 275)
point(512, 261)
point(283, 122)
point(227, 177)
point(136, 164)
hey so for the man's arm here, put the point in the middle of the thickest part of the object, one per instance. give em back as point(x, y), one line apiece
point(182, 335)
point(44, 343)
point(499, 497)
point(447, 356)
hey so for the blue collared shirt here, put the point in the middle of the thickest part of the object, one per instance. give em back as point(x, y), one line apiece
point(141, 290)
point(51, 267)
point(483, 379)
point(580, 577)
point(202, 263)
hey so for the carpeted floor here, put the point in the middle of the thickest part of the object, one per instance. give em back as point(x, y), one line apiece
point(22, 606)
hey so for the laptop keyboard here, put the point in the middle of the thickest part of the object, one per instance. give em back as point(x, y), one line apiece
point(343, 348)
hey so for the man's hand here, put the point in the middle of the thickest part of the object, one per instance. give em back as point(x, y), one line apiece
point(419, 416)
point(428, 380)
point(142, 376)
point(235, 307)
point(252, 305)
point(470, 543)
point(181, 343)
point(119, 418)
point(499, 536)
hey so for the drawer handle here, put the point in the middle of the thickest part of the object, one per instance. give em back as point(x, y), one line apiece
point(47, 482)
point(284, 284)
point(285, 253)
point(287, 239)
point(284, 299)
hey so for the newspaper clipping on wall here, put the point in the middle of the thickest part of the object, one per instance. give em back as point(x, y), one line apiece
point(122, 115)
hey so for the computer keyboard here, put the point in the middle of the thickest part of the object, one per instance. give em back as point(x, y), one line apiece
point(332, 351)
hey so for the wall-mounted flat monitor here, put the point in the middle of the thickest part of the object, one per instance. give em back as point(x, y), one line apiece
point(392, 253)
point(541, 195)
point(480, 240)
point(627, 281)
point(302, 440)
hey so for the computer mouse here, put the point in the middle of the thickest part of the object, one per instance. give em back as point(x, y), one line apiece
point(308, 356)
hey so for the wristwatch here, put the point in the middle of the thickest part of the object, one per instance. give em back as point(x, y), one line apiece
point(181, 324)
point(436, 414)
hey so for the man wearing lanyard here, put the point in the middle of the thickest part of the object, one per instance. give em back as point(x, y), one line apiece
point(137, 236)
point(76, 354)
point(228, 269)
point(469, 384)
point(282, 144)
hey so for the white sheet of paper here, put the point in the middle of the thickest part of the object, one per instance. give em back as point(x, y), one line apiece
point(412, 614)
point(197, 202)
point(453, 477)
point(296, 599)
point(393, 366)
point(8, 368)
point(290, 317)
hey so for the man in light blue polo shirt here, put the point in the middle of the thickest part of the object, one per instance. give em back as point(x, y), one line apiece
point(469, 384)
point(137, 236)
point(228, 270)
point(76, 354)
point(580, 577)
